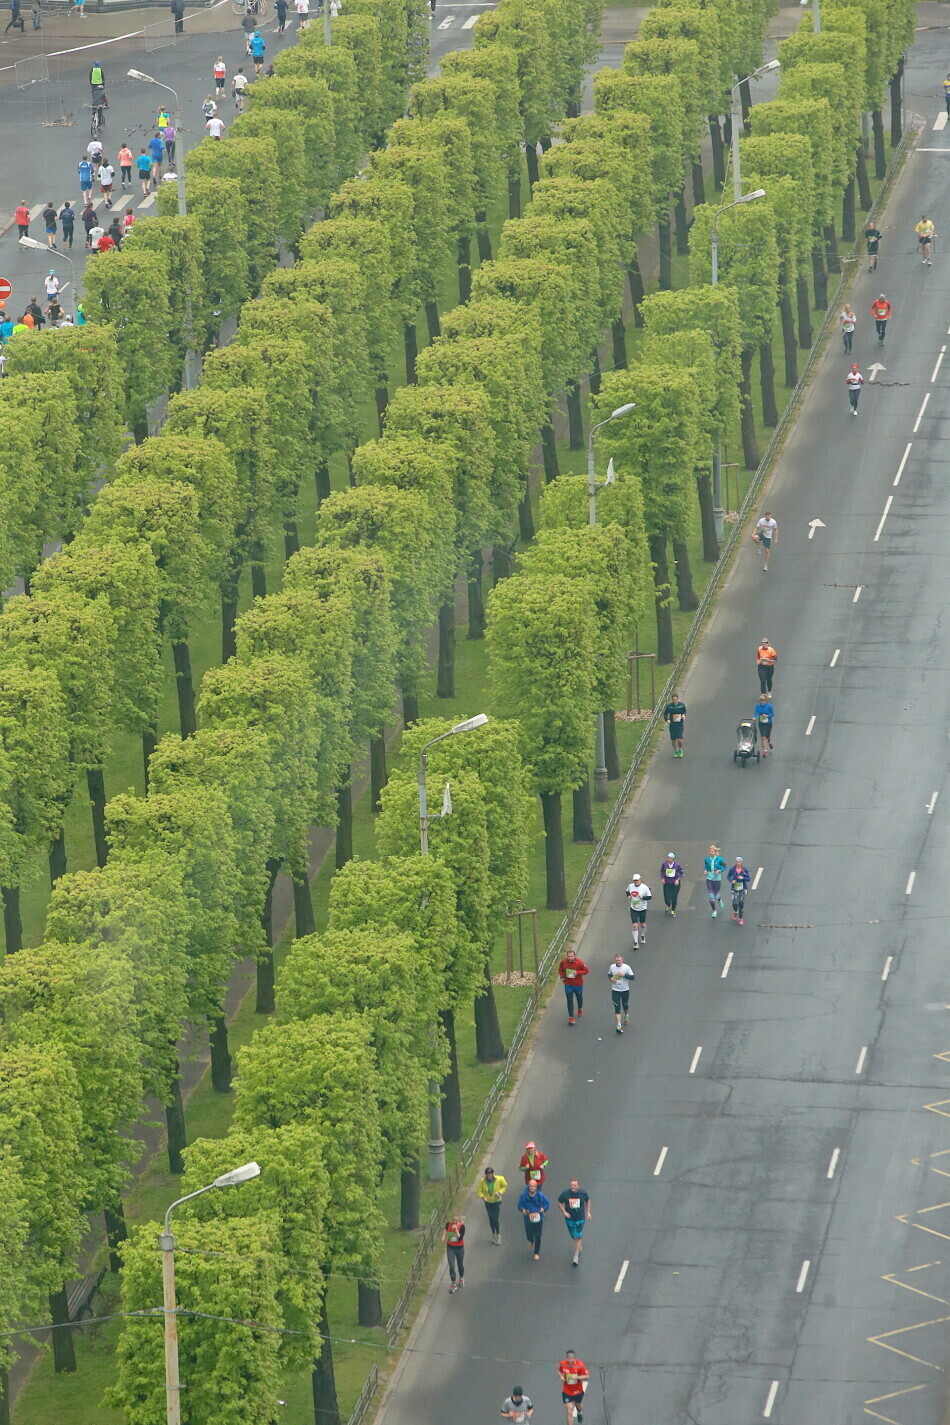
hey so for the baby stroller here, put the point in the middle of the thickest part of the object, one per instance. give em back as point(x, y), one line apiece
point(747, 735)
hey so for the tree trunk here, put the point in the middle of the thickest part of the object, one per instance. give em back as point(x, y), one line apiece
point(4, 1396)
point(185, 687)
point(57, 856)
point(432, 320)
point(618, 333)
point(847, 211)
point(370, 1308)
point(831, 248)
point(410, 708)
point(304, 922)
point(326, 1409)
point(476, 598)
point(377, 768)
point(699, 187)
point(582, 829)
point(514, 197)
point(685, 593)
point(750, 446)
point(707, 518)
point(450, 1088)
point(864, 182)
point(682, 223)
point(381, 395)
point(175, 1127)
point(12, 923)
point(445, 681)
point(767, 379)
point(553, 851)
point(291, 537)
point(465, 269)
point(635, 284)
point(803, 302)
point(745, 96)
point(897, 117)
point(489, 1045)
point(531, 156)
point(715, 139)
point(140, 430)
point(549, 451)
point(575, 415)
point(229, 608)
point(788, 337)
point(819, 277)
point(880, 151)
point(500, 563)
point(595, 372)
point(666, 253)
point(96, 787)
point(611, 750)
point(664, 616)
point(258, 576)
point(483, 241)
point(116, 1232)
point(344, 821)
point(526, 517)
point(322, 481)
point(220, 1053)
point(410, 1193)
point(64, 1347)
point(265, 961)
point(411, 344)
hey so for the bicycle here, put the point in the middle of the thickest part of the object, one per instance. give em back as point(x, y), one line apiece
point(260, 8)
point(97, 124)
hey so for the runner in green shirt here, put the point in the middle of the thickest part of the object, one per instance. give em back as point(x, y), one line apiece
point(674, 715)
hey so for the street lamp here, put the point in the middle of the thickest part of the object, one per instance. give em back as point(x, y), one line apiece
point(601, 793)
point(717, 448)
point(167, 1243)
point(736, 112)
point(41, 247)
point(436, 1141)
point(815, 13)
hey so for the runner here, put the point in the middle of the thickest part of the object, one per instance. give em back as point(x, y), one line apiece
point(220, 74)
point(106, 180)
point(52, 284)
point(766, 659)
point(671, 876)
point(94, 153)
point(239, 89)
point(85, 177)
point(454, 1238)
point(574, 1205)
point(491, 1190)
point(848, 322)
point(574, 1378)
point(620, 974)
point(854, 381)
point(143, 166)
point(880, 311)
point(533, 1163)
point(257, 47)
point(156, 148)
point(125, 161)
point(926, 232)
point(571, 972)
point(764, 715)
point(738, 878)
point(714, 865)
point(517, 1407)
point(765, 534)
point(532, 1204)
point(872, 237)
point(639, 897)
point(674, 715)
point(50, 223)
point(67, 218)
point(215, 127)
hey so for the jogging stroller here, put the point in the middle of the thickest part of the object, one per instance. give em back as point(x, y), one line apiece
point(747, 735)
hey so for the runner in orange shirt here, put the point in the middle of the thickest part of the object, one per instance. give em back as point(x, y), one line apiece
point(880, 311)
point(766, 658)
point(574, 1378)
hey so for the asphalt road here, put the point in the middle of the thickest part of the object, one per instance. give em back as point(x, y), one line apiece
point(767, 1148)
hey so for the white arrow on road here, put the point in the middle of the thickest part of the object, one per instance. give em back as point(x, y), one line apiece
point(813, 525)
point(874, 369)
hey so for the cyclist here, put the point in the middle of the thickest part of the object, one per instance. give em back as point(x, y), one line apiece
point(872, 237)
point(714, 865)
point(738, 878)
point(880, 311)
point(764, 714)
point(239, 89)
point(639, 897)
point(926, 232)
point(97, 82)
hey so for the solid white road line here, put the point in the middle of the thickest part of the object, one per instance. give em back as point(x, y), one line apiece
point(660, 1161)
point(932, 803)
point(699, 1050)
point(910, 883)
point(920, 413)
point(834, 1163)
point(784, 802)
point(900, 468)
point(887, 967)
point(773, 1392)
point(857, 593)
point(811, 724)
point(861, 1058)
point(757, 878)
point(887, 506)
point(725, 968)
point(834, 657)
point(802, 1275)
point(937, 367)
point(623, 1272)
point(940, 122)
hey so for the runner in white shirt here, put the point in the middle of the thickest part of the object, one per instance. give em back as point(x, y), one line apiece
point(620, 974)
point(215, 127)
point(239, 89)
point(94, 152)
point(765, 535)
point(854, 381)
point(639, 896)
point(220, 73)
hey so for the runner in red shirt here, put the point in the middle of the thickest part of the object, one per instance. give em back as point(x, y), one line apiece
point(533, 1163)
point(572, 971)
point(880, 310)
point(574, 1378)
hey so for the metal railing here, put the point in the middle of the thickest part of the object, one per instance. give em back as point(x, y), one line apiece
point(370, 1387)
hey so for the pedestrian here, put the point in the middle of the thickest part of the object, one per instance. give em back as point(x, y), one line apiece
point(880, 311)
point(94, 153)
point(848, 322)
point(6, 328)
point(533, 1163)
point(872, 238)
point(22, 219)
point(49, 222)
point(168, 138)
point(571, 972)
point(88, 219)
point(215, 127)
point(97, 83)
point(765, 535)
point(177, 8)
point(239, 88)
point(639, 897)
point(53, 312)
point(96, 234)
point(79, 5)
point(26, 321)
point(491, 1190)
point(854, 381)
point(125, 161)
point(106, 180)
point(15, 17)
point(156, 150)
point(280, 7)
point(517, 1407)
point(620, 974)
point(220, 75)
point(36, 14)
point(574, 1204)
point(209, 108)
point(163, 120)
point(302, 8)
point(80, 315)
point(35, 312)
point(454, 1238)
point(143, 166)
point(926, 232)
point(128, 221)
point(714, 865)
point(574, 1379)
point(105, 243)
point(766, 659)
point(116, 232)
point(738, 878)
point(52, 284)
point(532, 1204)
point(764, 715)
point(674, 715)
point(257, 48)
point(248, 25)
point(67, 218)
point(671, 876)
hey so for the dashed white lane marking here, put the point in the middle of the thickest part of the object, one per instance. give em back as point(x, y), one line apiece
point(834, 657)
point(725, 968)
point(803, 1275)
point(699, 1050)
point(937, 366)
point(619, 1282)
point(660, 1161)
point(861, 1058)
point(932, 803)
point(920, 413)
point(811, 724)
point(757, 878)
point(910, 883)
point(887, 506)
point(857, 593)
point(472, 20)
point(887, 967)
point(900, 468)
point(770, 1401)
point(784, 802)
point(834, 1163)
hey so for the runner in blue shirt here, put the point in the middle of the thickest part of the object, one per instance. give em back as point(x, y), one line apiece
point(738, 878)
point(714, 865)
point(257, 48)
point(85, 176)
point(671, 874)
point(764, 714)
point(143, 166)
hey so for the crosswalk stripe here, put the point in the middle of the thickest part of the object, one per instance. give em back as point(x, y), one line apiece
point(940, 122)
point(446, 24)
point(472, 20)
point(35, 212)
point(147, 202)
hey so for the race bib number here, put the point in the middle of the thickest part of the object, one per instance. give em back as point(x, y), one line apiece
point(534, 1217)
point(535, 1174)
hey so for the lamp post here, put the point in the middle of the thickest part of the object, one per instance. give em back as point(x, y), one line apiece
point(717, 448)
point(815, 13)
point(601, 793)
point(436, 1141)
point(41, 247)
point(167, 1243)
point(736, 112)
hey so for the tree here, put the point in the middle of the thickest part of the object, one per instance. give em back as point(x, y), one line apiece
point(249, 162)
point(542, 639)
point(705, 25)
point(176, 241)
point(130, 292)
point(217, 205)
point(781, 163)
point(450, 139)
point(44, 411)
point(392, 20)
point(812, 119)
point(680, 59)
point(359, 36)
point(524, 28)
point(22, 491)
point(311, 105)
point(842, 85)
point(336, 66)
point(497, 66)
point(294, 177)
point(14, 1282)
point(443, 110)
